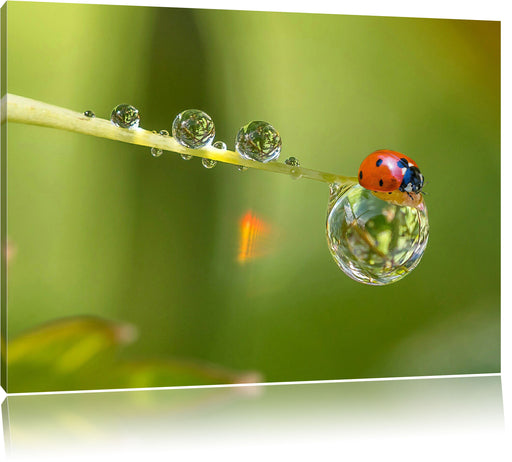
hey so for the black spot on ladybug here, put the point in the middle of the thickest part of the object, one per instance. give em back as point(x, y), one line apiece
point(381, 182)
point(361, 175)
point(389, 192)
point(379, 162)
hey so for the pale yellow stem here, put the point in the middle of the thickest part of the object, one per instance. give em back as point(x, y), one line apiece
point(29, 111)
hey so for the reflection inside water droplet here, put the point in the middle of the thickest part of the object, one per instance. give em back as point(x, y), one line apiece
point(371, 240)
point(125, 116)
point(220, 145)
point(193, 128)
point(258, 141)
point(293, 161)
point(157, 152)
point(295, 171)
point(208, 163)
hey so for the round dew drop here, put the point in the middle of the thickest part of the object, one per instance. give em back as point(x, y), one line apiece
point(373, 241)
point(258, 141)
point(89, 114)
point(295, 171)
point(193, 128)
point(293, 161)
point(208, 163)
point(186, 156)
point(157, 152)
point(125, 116)
point(220, 145)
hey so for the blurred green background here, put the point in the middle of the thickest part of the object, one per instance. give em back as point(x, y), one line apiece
point(101, 228)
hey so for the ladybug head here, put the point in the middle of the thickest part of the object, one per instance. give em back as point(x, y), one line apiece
point(412, 181)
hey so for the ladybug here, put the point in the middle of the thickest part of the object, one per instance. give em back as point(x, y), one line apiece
point(388, 171)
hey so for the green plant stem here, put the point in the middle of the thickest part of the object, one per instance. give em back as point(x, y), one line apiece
point(28, 111)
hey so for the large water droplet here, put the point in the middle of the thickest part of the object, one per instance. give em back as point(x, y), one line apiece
point(258, 141)
point(371, 240)
point(208, 163)
point(193, 128)
point(125, 116)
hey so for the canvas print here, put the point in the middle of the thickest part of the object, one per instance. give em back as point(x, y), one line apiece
point(154, 422)
point(199, 197)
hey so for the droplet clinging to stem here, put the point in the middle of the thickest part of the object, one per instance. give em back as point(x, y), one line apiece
point(372, 240)
point(125, 116)
point(193, 128)
point(258, 141)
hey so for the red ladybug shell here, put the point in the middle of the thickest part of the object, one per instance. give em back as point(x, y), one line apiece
point(380, 170)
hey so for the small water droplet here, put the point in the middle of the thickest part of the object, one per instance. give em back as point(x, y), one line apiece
point(89, 114)
point(293, 161)
point(220, 145)
point(258, 141)
point(163, 133)
point(208, 163)
point(296, 173)
point(193, 128)
point(156, 152)
point(186, 156)
point(242, 168)
point(125, 116)
point(373, 241)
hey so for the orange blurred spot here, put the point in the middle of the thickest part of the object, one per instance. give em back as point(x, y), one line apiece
point(10, 250)
point(253, 234)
